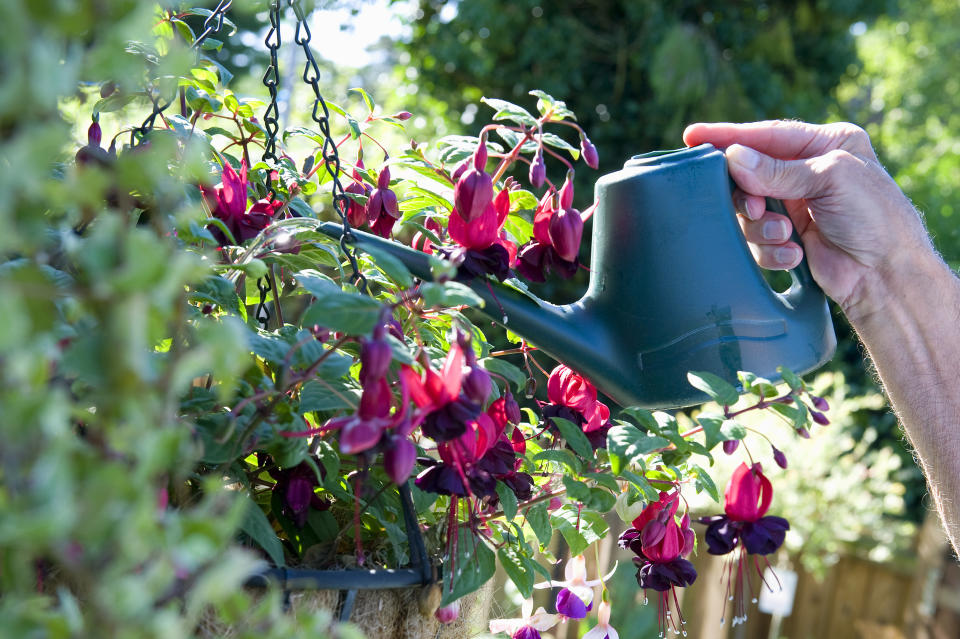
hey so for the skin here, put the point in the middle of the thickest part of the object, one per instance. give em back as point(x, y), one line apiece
point(869, 251)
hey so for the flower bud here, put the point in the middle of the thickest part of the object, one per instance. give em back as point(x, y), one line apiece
point(399, 459)
point(518, 441)
point(320, 333)
point(107, 89)
point(803, 432)
point(819, 403)
point(819, 417)
point(780, 458)
point(383, 180)
point(375, 358)
point(357, 436)
point(652, 533)
point(566, 192)
point(473, 194)
point(530, 389)
point(554, 503)
point(403, 115)
point(512, 408)
point(94, 134)
point(730, 446)
point(460, 169)
point(477, 385)
point(480, 155)
point(566, 231)
point(357, 212)
point(538, 171)
point(589, 152)
point(449, 613)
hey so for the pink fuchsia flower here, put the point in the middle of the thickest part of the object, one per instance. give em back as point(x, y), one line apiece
point(566, 387)
point(566, 232)
point(449, 613)
point(473, 192)
point(228, 203)
point(538, 171)
point(661, 547)
point(575, 598)
point(603, 629)
point(443, 411)
point(745, 525)
point(382, 207)
point(363, 430)
point(357, 212)
point(528, 626)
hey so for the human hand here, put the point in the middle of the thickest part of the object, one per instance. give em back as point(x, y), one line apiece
point(854, 221)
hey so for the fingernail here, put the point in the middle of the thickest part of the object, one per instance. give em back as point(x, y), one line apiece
point(743, 156)
point(786, 255)
point(775, 230)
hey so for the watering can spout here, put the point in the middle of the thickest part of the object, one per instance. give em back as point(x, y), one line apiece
point(673, 288)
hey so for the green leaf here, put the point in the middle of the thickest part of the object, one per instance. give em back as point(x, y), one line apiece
point(756, 385)
point(592, 527)
point(705, 482)
point(547, 103)
point(371, 105)
point(792, 379)
point(719, 390)
point(605, 480)
point(301, 208)
point(474, 565)
point(499, 366)
point(629, 443)
point(449, 294)
point(556, 141)
point(517, 569)
point(711, 425)
point(391, 265)
point(643, 418)
point(574, 436)
point(732, 430)
point(561, 456)
point(509, 111)
point(256, 526)
point(336, 309)
point(508, 500)
point(327, 396)
point(539, 519)
point(576, 489)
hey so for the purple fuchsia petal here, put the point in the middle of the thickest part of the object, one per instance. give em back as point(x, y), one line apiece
point(721, 535)
point(765, 535)
point(477, 385)
point(685, 572)
point(570, 605)
point(530, 262)
point(399, 459)
point(450, 421)
point(442, 480)
point(566, 231)
point(526, 632)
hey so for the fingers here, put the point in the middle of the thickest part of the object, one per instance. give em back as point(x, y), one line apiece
point(750, 206)
point(759, 174)
point(784, 139)
point(777, 258)
point(771, 228)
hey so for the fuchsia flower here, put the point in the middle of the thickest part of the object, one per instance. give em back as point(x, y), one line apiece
point(528, 626)
point(449, 613)
point(357, 212)
point(473, 192)
point(557, 234)
point(538, 171)
point(745, 524)
point(444, 411)
point(588, 151)
point(603, 629)
point(228, 203)
point(661, 546)
point(485, 247)
point(573, 398)
point(382, 207)
point(575, 598)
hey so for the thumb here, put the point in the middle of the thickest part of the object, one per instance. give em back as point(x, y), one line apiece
point(760, 174)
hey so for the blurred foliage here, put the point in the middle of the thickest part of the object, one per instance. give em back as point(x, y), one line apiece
point(92, 442)
point(906, 96)
point(638, 71)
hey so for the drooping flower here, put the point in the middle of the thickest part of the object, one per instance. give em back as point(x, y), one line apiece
point(356, 211)
point(228, 203)
point(745, 529)
point(661, 546)
point(295, 486)
point(538, 171)
point(528, 626)
point(568, 389)
point(444, 411)
point(399, 458)
point(540, 256)
point(588, 151)
point(473, 192)
point(484, 247)
point(449, 613)
point(575, 598)
point(603, 629)
point(382, 207)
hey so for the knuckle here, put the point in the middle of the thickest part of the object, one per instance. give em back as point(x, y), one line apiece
point(851, 135)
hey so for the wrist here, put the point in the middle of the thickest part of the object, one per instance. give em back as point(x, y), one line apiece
point(909, 273)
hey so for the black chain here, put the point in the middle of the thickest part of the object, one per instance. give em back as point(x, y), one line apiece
point(320, 115)
point(263, 314)
point(270, 80)
point(138, 134)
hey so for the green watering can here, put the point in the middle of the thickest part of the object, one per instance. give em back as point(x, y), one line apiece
point(673, 288)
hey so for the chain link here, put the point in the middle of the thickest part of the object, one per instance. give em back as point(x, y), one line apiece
point(320, 115)
point(262, 313)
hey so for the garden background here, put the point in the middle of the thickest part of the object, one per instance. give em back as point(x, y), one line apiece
point(636, 72)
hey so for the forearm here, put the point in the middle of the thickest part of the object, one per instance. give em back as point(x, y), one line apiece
point(908, 317)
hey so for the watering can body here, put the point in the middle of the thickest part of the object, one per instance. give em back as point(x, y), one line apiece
point(673, 288)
